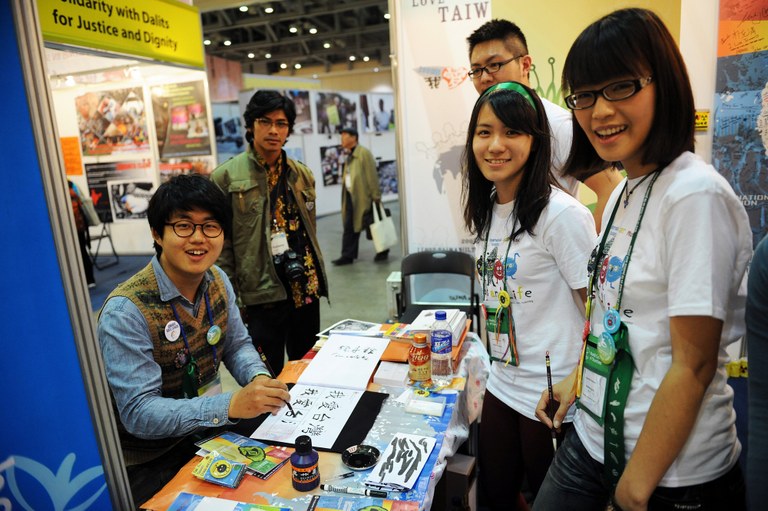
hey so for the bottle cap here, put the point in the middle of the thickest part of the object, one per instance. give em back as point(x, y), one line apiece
point(420, 339)
point(440, 315)
point(303, 444)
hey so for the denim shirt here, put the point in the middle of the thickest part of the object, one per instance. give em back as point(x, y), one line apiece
point(135, 377)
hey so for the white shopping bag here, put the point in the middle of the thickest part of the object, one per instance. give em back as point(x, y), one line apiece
point(382, 230)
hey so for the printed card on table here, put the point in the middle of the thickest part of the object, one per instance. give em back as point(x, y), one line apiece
point(344, 362)
point(402, 462)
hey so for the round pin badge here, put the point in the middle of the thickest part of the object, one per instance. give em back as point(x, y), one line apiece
point(606, 348)
point(611, 321)
point(214, 335)
point(504, 299)
point(172, 330)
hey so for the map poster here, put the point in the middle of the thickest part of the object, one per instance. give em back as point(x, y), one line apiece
point(181, 119)
point(740, 141)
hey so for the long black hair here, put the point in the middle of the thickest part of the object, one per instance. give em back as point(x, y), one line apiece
point(518, 113)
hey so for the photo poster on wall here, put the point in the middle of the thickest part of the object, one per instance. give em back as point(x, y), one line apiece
point(331, 163)
point(740, 139)
point(387, 171)
point(378, 112)
point(335, 111)
point(100, 175)
point(172, 167)
point(181, 119)
point(129, 199)
point(300, 98)
point(294, 153)
point(112, 122)
point(228, 126)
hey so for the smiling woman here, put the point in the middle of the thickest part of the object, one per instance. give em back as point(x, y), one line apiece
point(533, 242)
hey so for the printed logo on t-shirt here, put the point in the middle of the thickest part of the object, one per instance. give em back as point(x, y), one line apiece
point(494, 270)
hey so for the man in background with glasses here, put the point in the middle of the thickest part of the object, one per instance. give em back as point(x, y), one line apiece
point(164, 333)
point(498, 52)
point(273, 256)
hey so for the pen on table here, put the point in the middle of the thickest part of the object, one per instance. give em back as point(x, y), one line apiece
point(354, 491)
point(271, 372)
point(340, 476)
point(551, 402)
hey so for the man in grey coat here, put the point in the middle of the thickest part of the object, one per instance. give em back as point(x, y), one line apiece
point(360, 189)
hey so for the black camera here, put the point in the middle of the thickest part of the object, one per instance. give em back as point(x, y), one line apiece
point(291, 263)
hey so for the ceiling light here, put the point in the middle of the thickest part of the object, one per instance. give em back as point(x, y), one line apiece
point(251, 55)
point(269, 10)
point(227, 43)
point(386, 15)
point(297, 66)
point(207, 42)
point(70, 81)
point(375, 69)
point(352, 58)
point(326, 45)
point(313, 30)
point(292, 29)
point(283, 66)
point(243, 8)
point(314, 76)
point(366, 58)
point(267, 55)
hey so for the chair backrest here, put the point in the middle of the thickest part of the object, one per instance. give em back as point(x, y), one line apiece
point(436, 287)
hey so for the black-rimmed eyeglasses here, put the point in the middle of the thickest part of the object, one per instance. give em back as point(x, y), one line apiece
point(491, 68)
point(615, 91)
point(184, 229)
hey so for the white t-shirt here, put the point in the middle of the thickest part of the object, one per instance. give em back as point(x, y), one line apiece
point(542, 272)
point(561, 126)
point(689, 259)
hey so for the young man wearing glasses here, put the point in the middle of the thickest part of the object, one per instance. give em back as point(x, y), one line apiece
point(273, 257)
point(498, 52)
point(165, 331)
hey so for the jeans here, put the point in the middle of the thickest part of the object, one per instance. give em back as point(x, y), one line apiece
point(575, 482)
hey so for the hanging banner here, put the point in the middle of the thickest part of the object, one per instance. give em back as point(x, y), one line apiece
point(164, 30)
point(740, 142)
point(435, 100)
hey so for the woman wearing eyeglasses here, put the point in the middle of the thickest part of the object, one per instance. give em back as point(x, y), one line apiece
point(654, 426)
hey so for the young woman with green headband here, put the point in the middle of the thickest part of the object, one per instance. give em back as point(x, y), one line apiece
point(532, 245)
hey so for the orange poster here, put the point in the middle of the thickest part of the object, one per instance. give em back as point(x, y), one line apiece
point(70, 153)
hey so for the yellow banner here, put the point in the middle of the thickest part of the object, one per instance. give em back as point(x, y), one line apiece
point(164, 30)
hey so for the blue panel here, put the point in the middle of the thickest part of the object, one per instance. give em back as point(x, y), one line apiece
point(45, 424)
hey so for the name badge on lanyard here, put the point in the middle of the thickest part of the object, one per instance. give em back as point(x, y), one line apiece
point(279, 242)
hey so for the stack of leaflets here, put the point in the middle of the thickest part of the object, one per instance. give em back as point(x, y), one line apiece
point(189, 502)
point(219, 470)
point(423, 324)
point(260, 459)
point(345, 502)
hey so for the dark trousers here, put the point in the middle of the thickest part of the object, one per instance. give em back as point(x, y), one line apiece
point(350, 240)
point(87, 263)
point(278, 327)
point(575, 482)
point(511, 447)
point(149, 478)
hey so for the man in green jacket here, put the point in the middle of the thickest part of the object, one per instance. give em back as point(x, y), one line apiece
point(273, 257)
point(360, 189)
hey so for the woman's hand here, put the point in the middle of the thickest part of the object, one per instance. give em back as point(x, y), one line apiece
point(564, 393)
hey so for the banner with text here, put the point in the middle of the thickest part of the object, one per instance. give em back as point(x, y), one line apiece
point(435, 99)
point(164, 30)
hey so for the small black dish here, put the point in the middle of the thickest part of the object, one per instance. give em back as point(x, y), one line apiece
point(360, 457)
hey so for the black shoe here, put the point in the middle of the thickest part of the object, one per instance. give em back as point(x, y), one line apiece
point(381, 256)
point(341, 261)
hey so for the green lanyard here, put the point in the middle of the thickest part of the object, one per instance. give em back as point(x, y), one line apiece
point(620, 378)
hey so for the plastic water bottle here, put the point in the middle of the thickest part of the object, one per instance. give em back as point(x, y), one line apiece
point(441, 340)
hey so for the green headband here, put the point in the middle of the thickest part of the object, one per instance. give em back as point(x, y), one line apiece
point(513, 86)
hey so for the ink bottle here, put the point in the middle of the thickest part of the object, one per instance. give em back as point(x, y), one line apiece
point(306, 475)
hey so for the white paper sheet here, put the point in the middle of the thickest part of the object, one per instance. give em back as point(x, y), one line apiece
point(344, 362)
point(319, 412)
point(402, 462)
